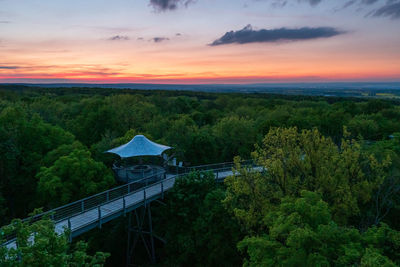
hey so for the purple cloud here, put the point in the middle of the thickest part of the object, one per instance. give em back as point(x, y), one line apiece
point(249, 35)
point(119, 38)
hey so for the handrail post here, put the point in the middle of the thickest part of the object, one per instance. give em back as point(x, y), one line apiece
point(107, 196)
point(99, 211)
point(70, 230)
point(82, 206)
point(129, 188)
point(144, 196)
point(124, 205)
point(162, 190)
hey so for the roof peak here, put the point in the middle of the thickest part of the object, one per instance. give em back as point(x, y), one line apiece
point(140, 145)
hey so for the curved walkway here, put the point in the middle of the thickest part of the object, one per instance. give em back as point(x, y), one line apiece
point(83, 215)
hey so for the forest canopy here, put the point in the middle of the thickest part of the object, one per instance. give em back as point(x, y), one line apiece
point(329, 197)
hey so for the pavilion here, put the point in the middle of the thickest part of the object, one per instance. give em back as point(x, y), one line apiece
point(140, 146)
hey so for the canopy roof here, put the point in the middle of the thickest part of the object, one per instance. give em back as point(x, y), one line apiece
point(139, 146)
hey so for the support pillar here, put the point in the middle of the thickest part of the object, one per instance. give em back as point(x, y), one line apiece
point(140, 229)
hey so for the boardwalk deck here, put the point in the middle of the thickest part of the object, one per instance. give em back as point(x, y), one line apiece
point(88, 219)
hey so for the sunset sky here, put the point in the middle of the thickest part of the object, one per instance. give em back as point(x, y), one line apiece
point(201, 41)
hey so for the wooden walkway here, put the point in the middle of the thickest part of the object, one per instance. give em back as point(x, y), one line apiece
point(90, 218)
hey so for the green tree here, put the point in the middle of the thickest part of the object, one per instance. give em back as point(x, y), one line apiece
point(180, 134)
point(365, 126)
point(387, 199)
point(3, 209)
point(92, 121)
point(235, 137)
point(199, 231)
point(39, 245)
point(306, 160)
point(196, 152)
point(73, 176)
point(24, 141)
point(301, 233)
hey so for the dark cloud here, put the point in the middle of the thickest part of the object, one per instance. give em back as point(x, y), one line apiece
point(9, 67)
point(279, 4)
point(248, 35)
point(391, 10)
point(4, 21)
point(349, 3)
point(312, 2)
point(368, 2)
point(159, 39)
point(166, 5)
point(282, 3)
point(365, 2)
point(119, 38)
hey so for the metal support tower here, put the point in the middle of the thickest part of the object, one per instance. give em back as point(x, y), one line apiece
point(140, 228)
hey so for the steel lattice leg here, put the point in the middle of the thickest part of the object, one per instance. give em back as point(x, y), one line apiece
point(136, 229)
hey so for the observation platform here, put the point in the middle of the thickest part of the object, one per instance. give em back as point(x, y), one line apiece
point(138, 172)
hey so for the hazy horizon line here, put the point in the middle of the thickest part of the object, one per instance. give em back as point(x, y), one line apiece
point(200, 84)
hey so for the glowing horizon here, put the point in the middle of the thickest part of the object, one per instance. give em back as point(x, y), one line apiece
point(200, 43)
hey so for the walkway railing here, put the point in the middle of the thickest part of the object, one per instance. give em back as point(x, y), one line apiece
point(218, 166)
point(175, 169)
point(68, 211)
point(82, 205)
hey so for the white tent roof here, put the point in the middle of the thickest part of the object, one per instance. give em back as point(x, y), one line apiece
point(139, 146)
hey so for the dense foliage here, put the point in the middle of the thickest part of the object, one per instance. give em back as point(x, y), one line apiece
point(301, 232)
point(198, 224)
point(39, 245)
point(73, 175)
point(317, 204)
point(330, 195)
